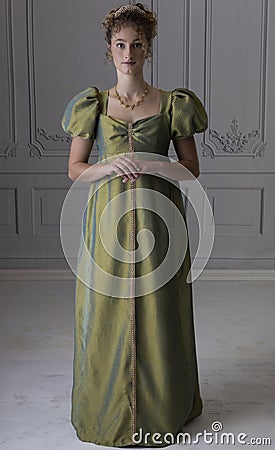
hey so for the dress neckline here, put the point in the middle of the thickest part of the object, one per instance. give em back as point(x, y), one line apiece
point(105, 107)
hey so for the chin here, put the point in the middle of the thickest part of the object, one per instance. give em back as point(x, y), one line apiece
point(130, 70)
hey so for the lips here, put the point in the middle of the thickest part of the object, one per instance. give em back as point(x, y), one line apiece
point(129, 63)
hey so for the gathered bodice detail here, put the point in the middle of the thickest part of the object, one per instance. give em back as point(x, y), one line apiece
point(181, 115)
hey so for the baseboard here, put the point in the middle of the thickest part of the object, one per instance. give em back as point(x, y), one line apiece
point(206, 275)
point(36, 274)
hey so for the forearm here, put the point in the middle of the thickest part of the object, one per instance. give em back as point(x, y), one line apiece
point(175, 171)
point(120, 166)
point(93, 172)
point(191, 167)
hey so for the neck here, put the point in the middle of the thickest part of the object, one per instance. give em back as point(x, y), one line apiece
point(130, 87)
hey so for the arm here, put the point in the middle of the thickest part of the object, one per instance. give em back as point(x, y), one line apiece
point(78, 163)
point(187, 154)
point(79, 154)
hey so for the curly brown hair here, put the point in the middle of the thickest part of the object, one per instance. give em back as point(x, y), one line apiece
point(134, 15)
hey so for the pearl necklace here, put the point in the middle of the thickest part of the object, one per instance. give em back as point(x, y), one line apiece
point(134, 104)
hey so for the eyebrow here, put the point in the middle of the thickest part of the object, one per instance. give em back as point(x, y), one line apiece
point(123, 40)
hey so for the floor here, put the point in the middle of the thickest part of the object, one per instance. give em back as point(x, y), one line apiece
point(236, 354)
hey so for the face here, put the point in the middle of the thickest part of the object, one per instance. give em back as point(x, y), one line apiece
point(129, 50)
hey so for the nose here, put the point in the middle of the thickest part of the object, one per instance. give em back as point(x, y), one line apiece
point(128, 52)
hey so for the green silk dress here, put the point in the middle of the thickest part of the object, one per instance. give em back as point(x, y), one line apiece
point(135, 366)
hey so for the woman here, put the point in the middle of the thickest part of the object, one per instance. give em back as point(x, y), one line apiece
point(135, 368)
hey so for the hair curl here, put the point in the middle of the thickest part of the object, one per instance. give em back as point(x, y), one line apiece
point(144, 20)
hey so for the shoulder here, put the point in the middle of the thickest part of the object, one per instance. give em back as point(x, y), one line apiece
point(187, 100)
point(188, 113)
point(86, 99)
point(81, 112)
point(179, 92)
point(86, 95)
point(182, 98)
point(185, 95)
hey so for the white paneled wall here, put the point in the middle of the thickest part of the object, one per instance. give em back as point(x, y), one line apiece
point(223, 50)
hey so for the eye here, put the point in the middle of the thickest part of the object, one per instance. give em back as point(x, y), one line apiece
point(120, 45)
point(138, 45)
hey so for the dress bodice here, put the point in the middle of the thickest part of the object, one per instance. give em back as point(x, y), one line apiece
point(150, 134)
point(181, 115)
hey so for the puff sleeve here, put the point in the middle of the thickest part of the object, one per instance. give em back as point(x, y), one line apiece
point(80, 116)
point(188, 114)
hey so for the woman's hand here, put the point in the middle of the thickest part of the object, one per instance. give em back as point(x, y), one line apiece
point(131, 170)
point(124, 167)
point(141, 167)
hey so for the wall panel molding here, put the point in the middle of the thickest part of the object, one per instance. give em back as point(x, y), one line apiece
point(215, 143)
point(45, 213)
point(206, 275)
point(38, 136)
point(234, 142)
point(9, 147)
point(9, 225)
point(52, 137)
point(247, 219)
point(185, 13)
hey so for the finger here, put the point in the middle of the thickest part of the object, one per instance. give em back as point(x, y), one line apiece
point(118, 171)
point(127, 178)
point(127, 164)
point(125, 172)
